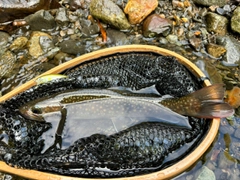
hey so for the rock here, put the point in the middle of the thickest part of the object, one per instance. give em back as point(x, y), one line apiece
point(76, 4)
point(89, 28)
point(116, 38)
point(196, 43)
point(233, 98)
point(216, 23)
point(225, 160)
point(18, 43)
point(222, 174)
point(3, 41)
point(154, 25)
point(232, 47)
point(72, 47)
point(41, 20)
point(18, 9)
point(173, 39)
point(211, 2)
point(235, 21)
point(237, 131)
point(235, 149)
point(215, 50)
point(46, 43)
point(7, 61)
point(138, 10)
point(206, 174)
point(109, 13)
point(34, 47)
point(61, 17)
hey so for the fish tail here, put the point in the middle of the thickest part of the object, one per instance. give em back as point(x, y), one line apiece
point(205, 103)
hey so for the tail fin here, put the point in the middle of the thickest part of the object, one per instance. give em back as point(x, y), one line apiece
point(211, 102)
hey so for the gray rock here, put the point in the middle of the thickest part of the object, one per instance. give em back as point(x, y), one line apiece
point(3, 39)
point(41, 20)
point(211, 2)
point(235, 21)
point(237, 133)
point(216, 23)
point(206, 174)
point(225, 160)
point(232, 47)
point(61, 17)
point(87, 31)
point(116, 38)
point(46, 43)
point(72, 47)
point(235, 149)
point(109, 13)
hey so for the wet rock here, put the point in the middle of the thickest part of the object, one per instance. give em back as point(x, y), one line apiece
point(18, 43)
point(235, 21)
point(224, 160)
point(34, 47)
point(232, 47)
point(215, 50)
point(41, 20)
point(7, 61)
point(196, 43)
point(226, 129)
point(206, 174)
point(116, 38)
point(237, 132)
point(211, 2)
point(109, 13)
point(88, 28)
point(209, 70)
point(3, 41)
point(17, 9)
point(138, 10)
point(173, 39)
point(222, 174)
point(235, 148)
point(61, 17)
point(154, 25)
point(216, 23)
point(46, 43)
point(72, 47)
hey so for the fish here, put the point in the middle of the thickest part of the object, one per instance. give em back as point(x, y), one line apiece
point(138, 149)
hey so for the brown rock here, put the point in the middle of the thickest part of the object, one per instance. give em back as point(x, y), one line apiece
point(154, 24)
point(215, 50)
point(17, 9)
point(138, 10)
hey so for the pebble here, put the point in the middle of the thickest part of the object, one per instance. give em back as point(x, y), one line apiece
point(216, 23)
point(138, 10)
point(61, 17)
point(41, 20)
point(235, 149)
point(116, 38)
point(34, 47)
point(155, 25)
point(215, 50)
point(196, 43)
point(72, 47)
point(110, 13)
point(206, 174)
point(18, 43)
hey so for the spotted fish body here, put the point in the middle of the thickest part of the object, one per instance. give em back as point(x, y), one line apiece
point(133, 70)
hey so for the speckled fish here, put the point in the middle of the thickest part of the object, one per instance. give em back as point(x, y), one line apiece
point(136, 150)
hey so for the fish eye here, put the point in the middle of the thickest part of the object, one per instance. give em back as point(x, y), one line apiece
point(36, 110)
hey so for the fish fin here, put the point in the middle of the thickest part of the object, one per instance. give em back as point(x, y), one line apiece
point(215, 110)
point(211, 102)
point(212, 93)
